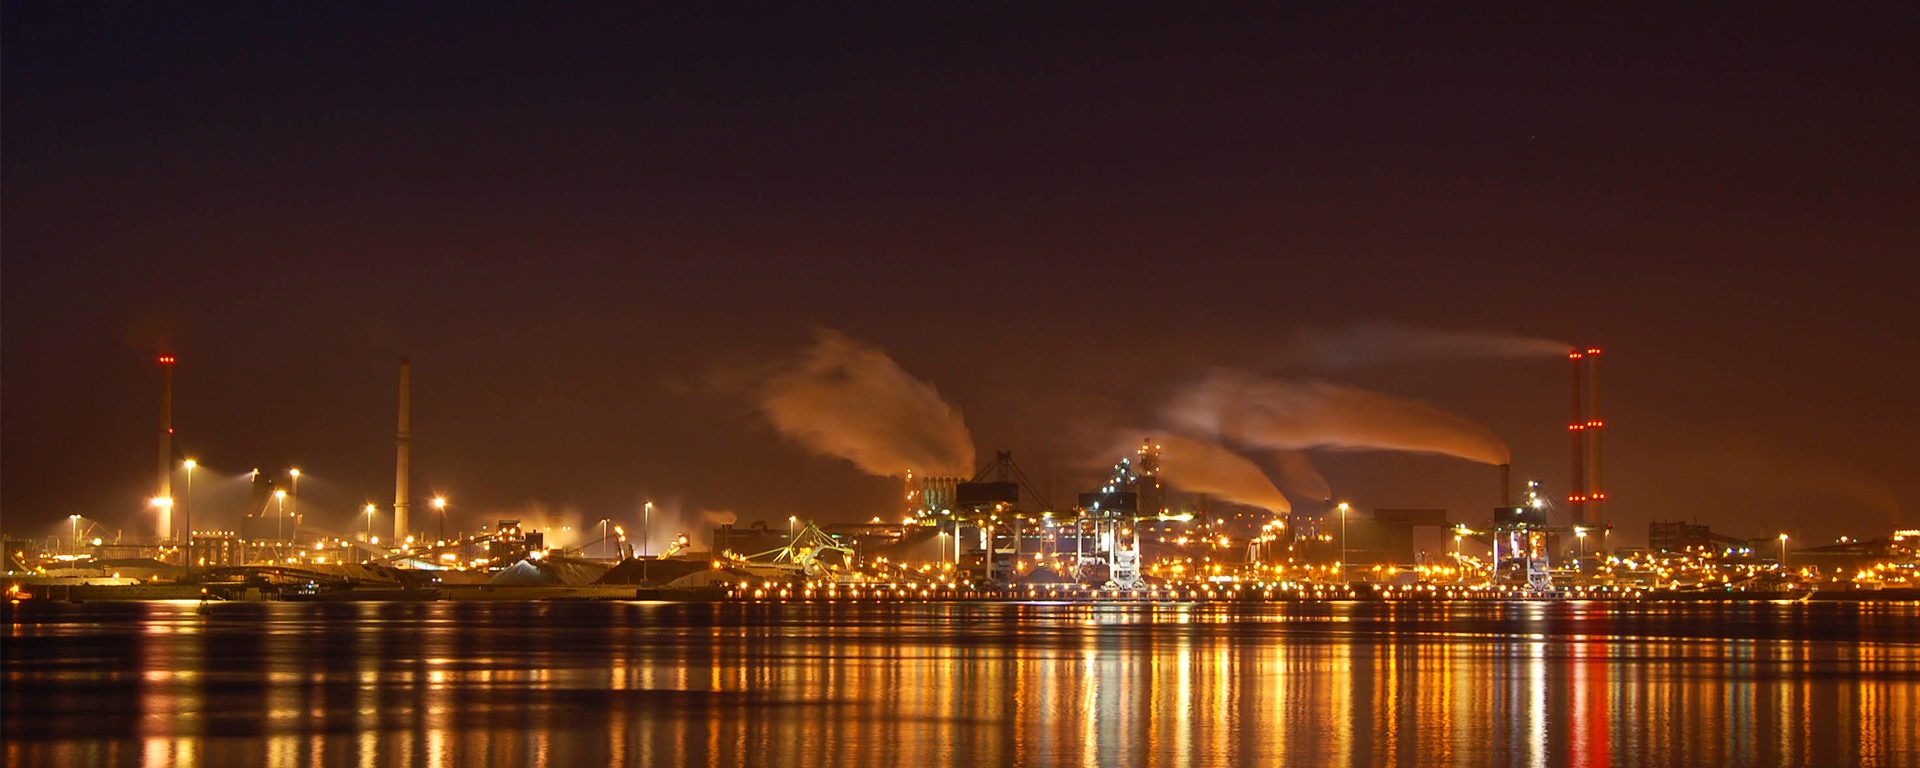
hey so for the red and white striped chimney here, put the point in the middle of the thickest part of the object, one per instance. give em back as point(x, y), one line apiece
point(1577, 429)
point(1596, 492)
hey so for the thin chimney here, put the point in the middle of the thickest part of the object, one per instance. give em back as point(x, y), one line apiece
point(1596, 493)
point(163, 492)
point(1577, 429)
point(402, 440)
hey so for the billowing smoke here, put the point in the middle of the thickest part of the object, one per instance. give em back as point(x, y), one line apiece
point(1386, 343)
point(849, 400)
point(1315, 414)
point(1202, 467)
point(1302, 477)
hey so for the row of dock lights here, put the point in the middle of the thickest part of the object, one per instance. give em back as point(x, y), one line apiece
point(1291, 591)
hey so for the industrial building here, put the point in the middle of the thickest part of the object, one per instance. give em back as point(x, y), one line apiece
point(1680, 536)
point(758, 536)
point(213, 549)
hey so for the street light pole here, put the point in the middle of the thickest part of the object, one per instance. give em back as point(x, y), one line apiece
point(371, 539)
point(646, 528)
point(186, 512)
point(279, 520)
point(1343, 541)
point(1079, 544)
point(1783, 553)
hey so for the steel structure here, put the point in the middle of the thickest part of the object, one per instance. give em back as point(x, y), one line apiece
point(990, 503)
point(1524, 531)
point(1114, 513)
point(804, 553)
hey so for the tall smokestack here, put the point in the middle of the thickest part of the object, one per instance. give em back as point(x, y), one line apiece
point(1596, 493)
point(1506, 485)
point(163, 492)
point(402, 440)
point(1577, 429)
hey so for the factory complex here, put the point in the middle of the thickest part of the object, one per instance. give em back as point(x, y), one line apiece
point(991, 535)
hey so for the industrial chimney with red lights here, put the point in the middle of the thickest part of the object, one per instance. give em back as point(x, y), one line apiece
point(163, 490)
point(1585, 495)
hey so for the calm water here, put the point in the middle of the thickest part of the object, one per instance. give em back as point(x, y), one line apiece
point(571, 684)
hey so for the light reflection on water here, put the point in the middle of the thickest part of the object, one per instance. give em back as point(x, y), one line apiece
point(566, 684)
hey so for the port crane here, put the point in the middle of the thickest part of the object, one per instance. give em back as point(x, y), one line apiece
point(803, 554)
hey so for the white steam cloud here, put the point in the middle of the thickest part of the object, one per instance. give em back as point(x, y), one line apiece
point(1290, 415)
point(849, 400)
point(1203, 467)
point(1376, 343)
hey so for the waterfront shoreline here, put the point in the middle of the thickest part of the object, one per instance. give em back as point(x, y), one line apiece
point(19, 591)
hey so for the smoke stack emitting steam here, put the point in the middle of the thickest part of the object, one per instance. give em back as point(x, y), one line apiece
point(1287, 415)
point(851, 401)
point(1201, 467)
point(845, 399)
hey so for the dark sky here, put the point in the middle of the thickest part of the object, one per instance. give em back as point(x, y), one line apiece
point(572, 216)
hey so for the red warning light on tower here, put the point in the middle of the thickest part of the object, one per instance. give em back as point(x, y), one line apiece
point(166, 359)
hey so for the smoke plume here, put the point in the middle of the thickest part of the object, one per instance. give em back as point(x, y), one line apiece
point(1203, 467)
point(1376, 343)
point(849, 400)
point(1302, 477)
point(1316, 414)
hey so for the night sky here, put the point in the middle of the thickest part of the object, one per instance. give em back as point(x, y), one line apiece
point(587, 223)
